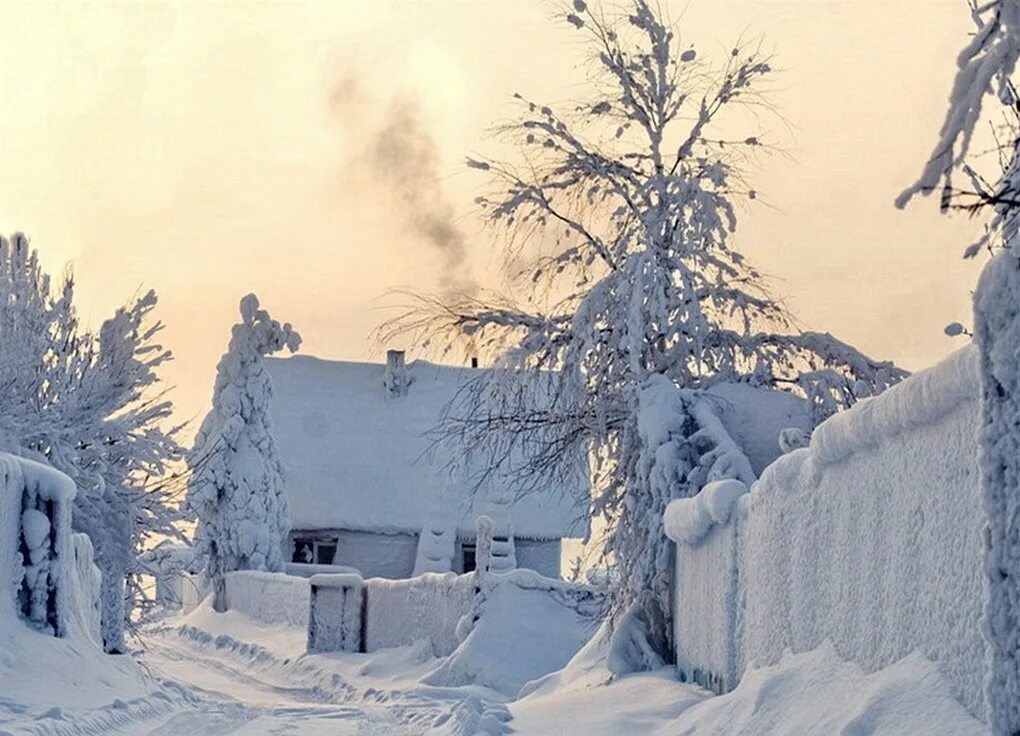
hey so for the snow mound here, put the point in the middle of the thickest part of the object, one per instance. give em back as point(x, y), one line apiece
point(810, 694)
point(818, 694)
point(688, 520)
point(526, 626)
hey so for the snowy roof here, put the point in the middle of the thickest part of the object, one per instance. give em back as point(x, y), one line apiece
point(357, 458)
point(754, 417)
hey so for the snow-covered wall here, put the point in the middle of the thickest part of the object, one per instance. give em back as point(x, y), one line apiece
point(870, 538)
point(36, 548)
point(268, 597)
point(425, 608)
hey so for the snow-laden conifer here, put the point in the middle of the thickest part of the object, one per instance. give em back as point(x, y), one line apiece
point(236, 486)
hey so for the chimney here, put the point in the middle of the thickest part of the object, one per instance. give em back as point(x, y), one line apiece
point(474, 361)
point(395, 379)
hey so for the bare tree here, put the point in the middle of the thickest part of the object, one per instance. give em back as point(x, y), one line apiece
point(624, 206)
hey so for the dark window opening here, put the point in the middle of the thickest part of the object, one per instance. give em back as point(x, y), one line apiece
point(303, 551)
point(324, 553)
point(313, 551)
point(469, 554)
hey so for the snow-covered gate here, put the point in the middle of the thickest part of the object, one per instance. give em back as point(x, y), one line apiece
point(36, 544)
point(348, 613)
point(872, 539)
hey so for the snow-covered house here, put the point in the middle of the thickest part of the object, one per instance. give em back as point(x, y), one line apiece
point(365, 490)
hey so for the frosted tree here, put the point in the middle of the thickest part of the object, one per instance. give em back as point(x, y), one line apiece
point(623, 207)
point(985, 68)
point(236, 486)
point(90, 405)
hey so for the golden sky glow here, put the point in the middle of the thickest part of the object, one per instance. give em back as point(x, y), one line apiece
point(211, 149)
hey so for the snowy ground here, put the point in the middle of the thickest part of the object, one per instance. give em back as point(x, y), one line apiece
point(222, 673)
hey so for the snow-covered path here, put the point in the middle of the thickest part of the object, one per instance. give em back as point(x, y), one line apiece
point(231, 698)
point(228, 683)
point(224, 674)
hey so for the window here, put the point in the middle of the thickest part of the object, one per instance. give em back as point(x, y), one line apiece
point(325, 552)
point(303, 551)
point(314, 551)
point(468, 552)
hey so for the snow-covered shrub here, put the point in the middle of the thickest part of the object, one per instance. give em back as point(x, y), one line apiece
point(236, 488)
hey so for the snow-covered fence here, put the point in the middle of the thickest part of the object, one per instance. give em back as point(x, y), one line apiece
point(36, 544)
point(706, 585)
point(388, 613)
point(870, 538)
point(425, 608)
point(268, 597)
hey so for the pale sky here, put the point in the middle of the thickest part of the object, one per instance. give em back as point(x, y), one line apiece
point(210, 149)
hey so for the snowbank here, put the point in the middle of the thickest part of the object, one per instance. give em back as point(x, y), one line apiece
point(809, 694)
point(268, 597)
point(525, 626)
point(871, 539)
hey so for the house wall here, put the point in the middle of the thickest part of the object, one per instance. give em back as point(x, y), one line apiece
point(373, 555)
point(392, 555)
point(540, 555)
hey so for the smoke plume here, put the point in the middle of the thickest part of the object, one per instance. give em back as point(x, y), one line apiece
point(400, 157)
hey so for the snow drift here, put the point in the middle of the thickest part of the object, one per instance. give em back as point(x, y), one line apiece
point(524, 626)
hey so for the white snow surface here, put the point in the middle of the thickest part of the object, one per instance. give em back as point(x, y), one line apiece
point(809, 694)
point(224, 673)
point(358, 459)
point(527, 626)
